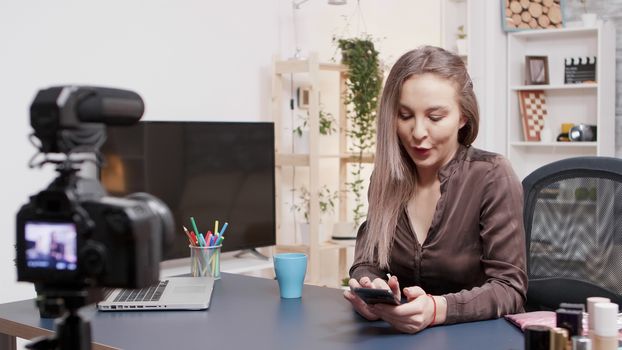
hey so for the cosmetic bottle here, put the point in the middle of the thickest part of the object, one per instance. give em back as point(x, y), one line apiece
point(537, 337)
point(590, 311)
point(605, 334)
point(580, 342)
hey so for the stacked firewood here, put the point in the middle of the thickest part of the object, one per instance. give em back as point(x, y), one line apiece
point(534, 14)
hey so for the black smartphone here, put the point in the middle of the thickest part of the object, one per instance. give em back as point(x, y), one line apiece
point(376, 296)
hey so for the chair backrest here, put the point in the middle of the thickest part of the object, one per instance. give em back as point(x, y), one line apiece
point(573, 226)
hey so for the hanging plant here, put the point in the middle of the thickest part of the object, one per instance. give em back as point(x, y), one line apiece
point(363, 88)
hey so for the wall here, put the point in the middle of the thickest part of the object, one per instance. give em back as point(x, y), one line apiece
point(189, 59)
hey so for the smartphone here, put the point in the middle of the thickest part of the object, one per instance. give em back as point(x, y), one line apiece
point(376, 296)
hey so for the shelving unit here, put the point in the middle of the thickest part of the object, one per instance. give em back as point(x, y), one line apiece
point(589, 103)
point(453, 15)
point(312, 68)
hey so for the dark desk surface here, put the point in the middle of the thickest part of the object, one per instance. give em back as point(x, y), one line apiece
point(247, 313)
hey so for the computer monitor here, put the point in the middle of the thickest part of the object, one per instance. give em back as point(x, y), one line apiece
point(207, 170)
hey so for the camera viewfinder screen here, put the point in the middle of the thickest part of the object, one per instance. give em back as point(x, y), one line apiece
point(51, 245)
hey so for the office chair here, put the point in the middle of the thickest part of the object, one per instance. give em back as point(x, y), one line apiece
point(573, 226)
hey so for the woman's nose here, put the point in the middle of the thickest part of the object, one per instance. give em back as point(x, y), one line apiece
point(419, 130)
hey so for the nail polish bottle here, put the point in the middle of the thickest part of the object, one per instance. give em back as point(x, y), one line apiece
point(580, 342)
point(537, 337)
point(559, 339)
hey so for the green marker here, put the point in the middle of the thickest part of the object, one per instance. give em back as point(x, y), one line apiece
point(194, 225)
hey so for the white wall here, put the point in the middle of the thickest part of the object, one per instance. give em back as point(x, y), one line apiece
point(202, 60)
point(189, 59)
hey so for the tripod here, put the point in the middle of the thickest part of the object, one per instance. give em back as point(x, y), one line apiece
point(72, 332)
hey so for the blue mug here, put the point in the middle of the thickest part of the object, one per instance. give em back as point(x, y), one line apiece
point(290, 269)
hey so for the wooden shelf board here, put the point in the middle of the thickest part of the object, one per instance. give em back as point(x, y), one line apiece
point(289, 159)
point(552, 144)
point(555, 87)
point(304, 248)
point(302, 66)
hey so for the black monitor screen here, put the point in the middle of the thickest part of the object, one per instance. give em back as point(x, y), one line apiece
point(207, 170)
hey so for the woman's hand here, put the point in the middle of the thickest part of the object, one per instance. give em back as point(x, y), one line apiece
point(359, 305)
point(414, 315)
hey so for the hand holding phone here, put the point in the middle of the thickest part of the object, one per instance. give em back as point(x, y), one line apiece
point(376, 296)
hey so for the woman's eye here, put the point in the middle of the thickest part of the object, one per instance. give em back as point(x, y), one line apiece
point(404, 115)
point(435, 118)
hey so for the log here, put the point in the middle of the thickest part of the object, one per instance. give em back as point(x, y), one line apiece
point(516, 19)
point(535, 10)
point(526, 17)
point(547, 3)
point(516, 7)
point(544, 21)
point(524, 4)
point(533, 23)
point(555, 15)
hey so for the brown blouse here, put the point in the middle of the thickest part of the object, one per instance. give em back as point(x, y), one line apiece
point(474, 253)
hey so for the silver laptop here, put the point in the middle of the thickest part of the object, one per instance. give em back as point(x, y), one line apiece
point(173, 293)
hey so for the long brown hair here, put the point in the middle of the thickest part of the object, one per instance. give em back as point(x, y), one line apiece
point(393, 179)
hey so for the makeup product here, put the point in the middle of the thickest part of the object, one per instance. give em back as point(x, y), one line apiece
point(572, 306)
point(537, 337)
point(571, 320)
point(590, 310)
point(580, 342)
point(559, 339)
point(605, 334)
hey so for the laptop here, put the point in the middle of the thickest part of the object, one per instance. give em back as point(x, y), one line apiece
point(172, 293)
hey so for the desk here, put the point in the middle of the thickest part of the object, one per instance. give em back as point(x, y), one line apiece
point(247, 313)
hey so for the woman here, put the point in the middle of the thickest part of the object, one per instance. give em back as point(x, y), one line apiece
point(445, 219)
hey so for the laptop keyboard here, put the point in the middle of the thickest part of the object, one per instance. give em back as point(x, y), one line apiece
point(153, 293)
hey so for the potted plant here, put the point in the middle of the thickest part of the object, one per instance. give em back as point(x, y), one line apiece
point(461, 42)
point(327, 200)
point(327, 127)
point(588, 18)
point(363, 87)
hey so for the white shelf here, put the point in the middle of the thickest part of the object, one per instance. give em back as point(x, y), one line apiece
point(553, 144)
point(588, 103)
point(555, 87)
point(550, 34)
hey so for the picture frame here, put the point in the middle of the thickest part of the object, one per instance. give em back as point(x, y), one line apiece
point(533, 112)
point(304, 97)
point(536, 70)
point(532, 14)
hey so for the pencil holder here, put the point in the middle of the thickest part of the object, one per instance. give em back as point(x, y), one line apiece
point(205, 261)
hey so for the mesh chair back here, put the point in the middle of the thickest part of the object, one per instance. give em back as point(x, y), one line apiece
point(573, 212)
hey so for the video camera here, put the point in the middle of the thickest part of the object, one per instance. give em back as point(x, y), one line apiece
point(72, 236)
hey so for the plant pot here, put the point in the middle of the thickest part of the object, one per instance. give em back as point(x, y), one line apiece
point(301, 143)
point(303, 229)
point(344, 231)
point(461, 47)
point(589, 19)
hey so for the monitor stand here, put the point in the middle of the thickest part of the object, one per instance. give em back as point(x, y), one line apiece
point(253, 252)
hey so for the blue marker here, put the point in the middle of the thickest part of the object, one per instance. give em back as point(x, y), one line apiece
point(224, 227)
point(201, 240)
